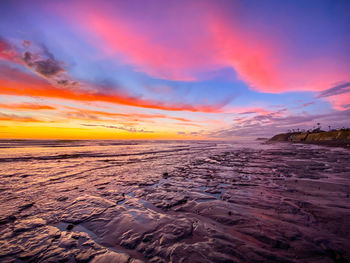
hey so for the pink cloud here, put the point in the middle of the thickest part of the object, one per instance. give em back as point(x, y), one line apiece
point(8, 52)
point(249, 111)
point(340, 102)
point(131, 42)
point(209, 39)
point(338, 96)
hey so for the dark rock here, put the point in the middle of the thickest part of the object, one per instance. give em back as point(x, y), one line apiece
point(26, 206)
point(8, 219)
point(62, 198)
point(147, 238)
point(70, 227)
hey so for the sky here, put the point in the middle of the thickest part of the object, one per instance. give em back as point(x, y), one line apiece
point(159, 69)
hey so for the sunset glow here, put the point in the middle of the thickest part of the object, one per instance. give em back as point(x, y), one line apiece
point(172, 70)
point(179, 131)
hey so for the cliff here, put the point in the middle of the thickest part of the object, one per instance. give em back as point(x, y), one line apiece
point(331, 138)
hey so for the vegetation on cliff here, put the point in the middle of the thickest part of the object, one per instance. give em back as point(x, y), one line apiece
point(335, 137)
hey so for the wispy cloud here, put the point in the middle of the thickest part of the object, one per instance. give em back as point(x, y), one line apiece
point(26, 106)
point(8, 52)
point(128, 129)
point(336, 90)
point(18, 118)
point(129, 115)
point(269, 125)
point(338, 96)
point(307, 104)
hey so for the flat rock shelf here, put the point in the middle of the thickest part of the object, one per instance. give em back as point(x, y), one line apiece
point(174, 202)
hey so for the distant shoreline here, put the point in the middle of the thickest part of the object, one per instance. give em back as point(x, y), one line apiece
point(336, 138)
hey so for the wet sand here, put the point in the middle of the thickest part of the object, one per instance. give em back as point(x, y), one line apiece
point(173, 202)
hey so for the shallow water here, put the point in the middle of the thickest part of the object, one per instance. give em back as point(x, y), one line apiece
point(173, 201)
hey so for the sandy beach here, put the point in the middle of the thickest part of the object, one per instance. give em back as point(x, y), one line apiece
point(173, 201)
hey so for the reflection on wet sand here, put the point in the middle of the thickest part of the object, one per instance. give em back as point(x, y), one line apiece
point(173, 202)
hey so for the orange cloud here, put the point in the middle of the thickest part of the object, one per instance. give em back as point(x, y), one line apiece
point(133, 115)
point(17, 118)
point(26, 106)
point(15, 82)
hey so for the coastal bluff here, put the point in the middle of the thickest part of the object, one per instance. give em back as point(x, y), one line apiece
point(339, 138)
